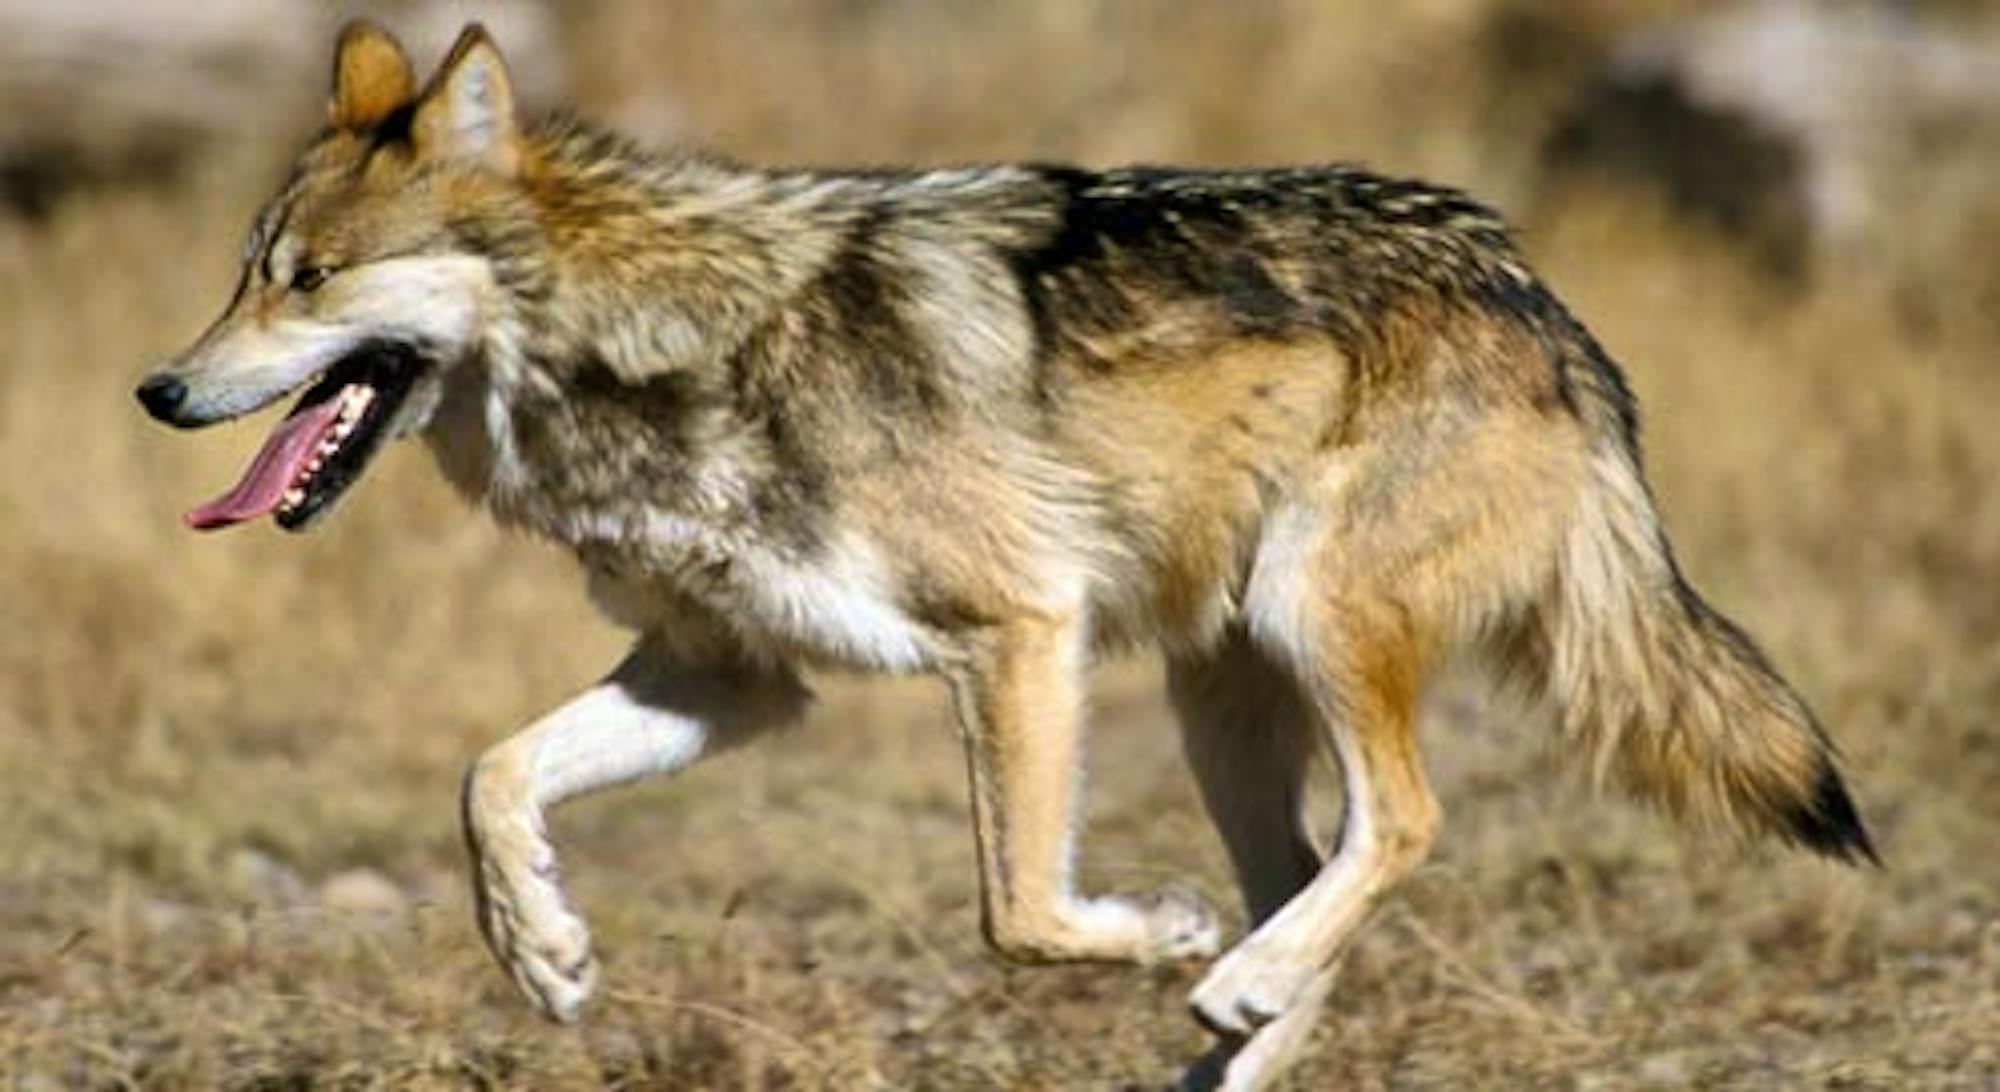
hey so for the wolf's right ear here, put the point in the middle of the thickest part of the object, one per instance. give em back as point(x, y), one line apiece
point(371, 77)
point(466, 112)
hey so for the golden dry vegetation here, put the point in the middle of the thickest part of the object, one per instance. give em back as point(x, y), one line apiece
point(211, 748)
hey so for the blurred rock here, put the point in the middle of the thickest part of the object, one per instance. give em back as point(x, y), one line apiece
point(129, 91)
point(1720, 164)
point(36, 1080)
point(1790, 125)
point(1667, 1070)
point(255, 875)
point(620, 1051)
point(158, 915)
point(362, 891)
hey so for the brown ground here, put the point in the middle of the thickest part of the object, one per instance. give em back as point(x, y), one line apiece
point(203, 739)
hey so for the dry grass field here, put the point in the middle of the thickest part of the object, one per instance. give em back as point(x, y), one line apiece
point(229, 854)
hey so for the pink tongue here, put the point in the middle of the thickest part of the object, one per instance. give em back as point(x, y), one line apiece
point(273, 471)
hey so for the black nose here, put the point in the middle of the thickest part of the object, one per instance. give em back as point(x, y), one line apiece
point(162, 395)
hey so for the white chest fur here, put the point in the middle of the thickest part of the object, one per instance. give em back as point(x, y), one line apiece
point(838, 605)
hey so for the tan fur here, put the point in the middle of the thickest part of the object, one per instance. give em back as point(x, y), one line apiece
point(1310, 431)
point(1661, 692)
point(1190, 455)
point(1020, 704)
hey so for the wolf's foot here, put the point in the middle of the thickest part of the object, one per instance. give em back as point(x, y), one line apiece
point(1178, 926)
point(1153, 928)
point(534, 934)
point(1237, 1064)
point(1250, 986)
point(527, 922)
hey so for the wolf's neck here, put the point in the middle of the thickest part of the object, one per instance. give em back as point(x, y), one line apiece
point(628, 284)
point(585, 457)
point(638, 294)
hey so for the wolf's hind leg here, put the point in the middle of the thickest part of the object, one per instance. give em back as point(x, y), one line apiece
point(1249, 739)
point(1019, 697)
point(1363, 673)
point(656, 713)
point(1427, 530)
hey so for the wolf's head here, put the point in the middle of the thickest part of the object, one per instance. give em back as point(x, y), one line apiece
point(364, 280)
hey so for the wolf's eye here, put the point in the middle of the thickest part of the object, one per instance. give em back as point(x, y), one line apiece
point(310, 277)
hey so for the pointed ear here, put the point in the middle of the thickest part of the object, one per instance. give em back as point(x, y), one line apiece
point(467, 110)
point(371, 77)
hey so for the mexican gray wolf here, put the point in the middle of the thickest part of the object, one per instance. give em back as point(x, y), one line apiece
point(1308, 431)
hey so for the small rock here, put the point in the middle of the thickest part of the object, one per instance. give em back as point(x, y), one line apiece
point(620, 1052)
point(261, 877)
point(36, 1080)
point(362, 891)
point(437, 887)
point(1670, 1069)
point(1961, 927)
point(159, 915)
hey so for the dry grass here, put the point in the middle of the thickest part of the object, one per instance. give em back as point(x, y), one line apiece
point(195, 734)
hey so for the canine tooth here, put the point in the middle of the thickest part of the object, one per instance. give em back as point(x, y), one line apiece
point(294, 497)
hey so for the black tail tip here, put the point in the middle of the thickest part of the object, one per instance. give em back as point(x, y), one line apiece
point(1826, 822)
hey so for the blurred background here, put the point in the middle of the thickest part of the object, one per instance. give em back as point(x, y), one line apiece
point(229, 853)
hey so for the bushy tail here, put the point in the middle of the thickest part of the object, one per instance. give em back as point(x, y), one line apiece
point(1669, 697)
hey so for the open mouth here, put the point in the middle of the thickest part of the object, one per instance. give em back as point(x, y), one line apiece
point(321, 447)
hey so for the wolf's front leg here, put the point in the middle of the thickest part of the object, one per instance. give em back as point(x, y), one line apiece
point(657, 713)
point(1019, 697)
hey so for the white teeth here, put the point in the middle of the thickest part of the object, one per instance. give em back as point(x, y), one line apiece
point(354, 399)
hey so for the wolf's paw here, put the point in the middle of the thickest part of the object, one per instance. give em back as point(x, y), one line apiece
point(530, 928)
point(1158, 927)
point(1180, 925)
point(1248, 988)
point(1239, 1064)
point(1152, 928)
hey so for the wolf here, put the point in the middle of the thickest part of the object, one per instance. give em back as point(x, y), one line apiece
point(1310, 432)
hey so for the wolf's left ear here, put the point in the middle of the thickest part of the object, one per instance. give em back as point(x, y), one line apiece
point(371, 77)
point(467, 110)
